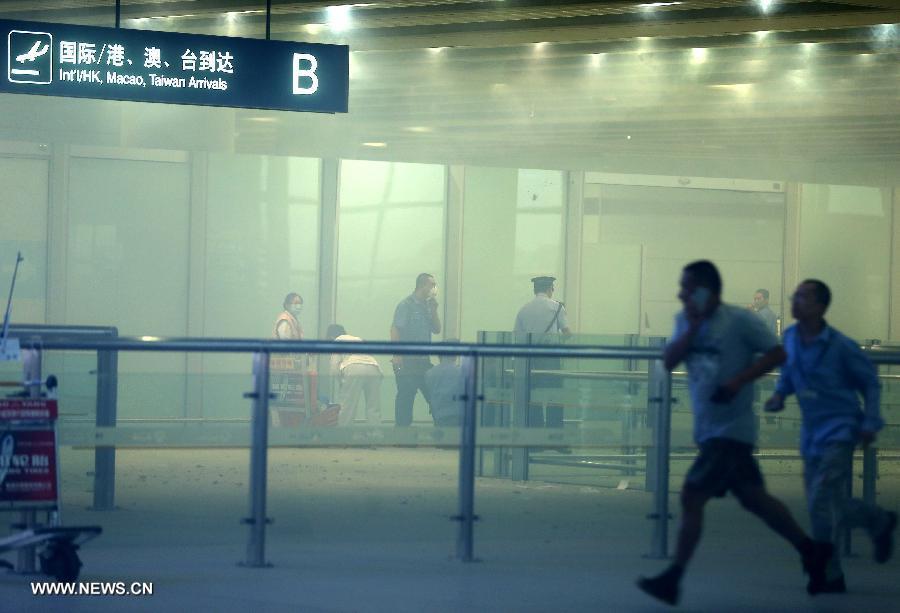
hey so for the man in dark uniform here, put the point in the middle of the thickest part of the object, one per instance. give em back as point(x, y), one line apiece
point(543, 316)
point(415, 320)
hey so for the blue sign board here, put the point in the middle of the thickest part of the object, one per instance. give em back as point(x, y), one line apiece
point(144, 66)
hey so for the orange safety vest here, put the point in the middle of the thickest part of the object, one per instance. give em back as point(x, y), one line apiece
point(296, 330)
point(289, 361)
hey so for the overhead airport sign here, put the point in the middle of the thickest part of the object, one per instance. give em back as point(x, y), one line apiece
point(147, 66)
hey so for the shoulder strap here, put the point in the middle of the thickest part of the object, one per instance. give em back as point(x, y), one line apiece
point(555, 317)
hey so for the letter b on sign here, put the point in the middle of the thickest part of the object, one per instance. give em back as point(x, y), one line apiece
point(305, 79)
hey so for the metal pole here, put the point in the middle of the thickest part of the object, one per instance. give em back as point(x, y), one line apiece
point(118, 12)
point(846, 534)
point(256, 546)
point(653, 382)
point(268, 19)
point(659, 546)
point(466, 515)
point(26, 561)
point(870, 473)
point(105, 457)
point(520, 409)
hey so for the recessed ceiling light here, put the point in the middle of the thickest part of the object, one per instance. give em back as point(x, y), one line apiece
point(377, 145)
point(338, 17)
point(653, 5)
point(765, 5)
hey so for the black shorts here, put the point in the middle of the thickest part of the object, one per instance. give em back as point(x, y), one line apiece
point(723, 465)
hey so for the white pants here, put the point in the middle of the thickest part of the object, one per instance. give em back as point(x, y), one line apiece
point(357, 380)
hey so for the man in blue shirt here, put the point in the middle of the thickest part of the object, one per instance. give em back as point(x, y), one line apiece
point(826, 370)
point(721, 345)
point(415, 320)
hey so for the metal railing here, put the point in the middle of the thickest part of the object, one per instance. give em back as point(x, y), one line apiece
point(659, 408)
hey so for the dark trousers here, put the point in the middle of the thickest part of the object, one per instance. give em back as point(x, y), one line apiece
point(409, 381)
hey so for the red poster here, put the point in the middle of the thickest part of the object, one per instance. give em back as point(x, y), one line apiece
point(27, 465)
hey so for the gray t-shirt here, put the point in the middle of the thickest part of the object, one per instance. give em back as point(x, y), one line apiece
point(726, 344)
point(537, 314)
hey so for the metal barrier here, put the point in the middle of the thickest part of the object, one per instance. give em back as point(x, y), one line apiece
point(262, 349)
point(36, 337)
point(660, 398)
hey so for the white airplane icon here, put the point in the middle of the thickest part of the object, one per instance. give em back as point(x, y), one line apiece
point(35, 52)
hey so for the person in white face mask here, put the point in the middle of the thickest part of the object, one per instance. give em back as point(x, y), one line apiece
point(287, 326)
point(292, 375)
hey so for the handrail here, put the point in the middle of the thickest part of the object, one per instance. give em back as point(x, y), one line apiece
point(255, 345)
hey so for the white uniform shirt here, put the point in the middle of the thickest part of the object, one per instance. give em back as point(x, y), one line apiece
point(538, 314)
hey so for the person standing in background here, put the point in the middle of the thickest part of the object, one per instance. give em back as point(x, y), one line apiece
point(761, 307)
point(287, 325)
point(415, 320)
point(290, 372)
point(542, 316)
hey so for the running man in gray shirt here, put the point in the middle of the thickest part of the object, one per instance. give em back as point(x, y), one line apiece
point(720, 344)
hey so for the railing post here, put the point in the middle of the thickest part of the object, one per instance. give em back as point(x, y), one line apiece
point(105, 456)
point(467, 515)
point(870, 473)
point(26, 558)
point(661, 398)
point(520, 407)
point(256, 545)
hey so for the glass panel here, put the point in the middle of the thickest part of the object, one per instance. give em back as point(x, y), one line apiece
point(845, 240)
point(513, 230)
point(126, 267)
point(391, 230)
point(633, 258)
point(262, 243)
point(24, 229)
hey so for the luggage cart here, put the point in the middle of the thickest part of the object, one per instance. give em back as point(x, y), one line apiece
point(294, 402)
point(29, 483)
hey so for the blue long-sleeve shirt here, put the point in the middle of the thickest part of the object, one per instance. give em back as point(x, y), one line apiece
point(827, 375)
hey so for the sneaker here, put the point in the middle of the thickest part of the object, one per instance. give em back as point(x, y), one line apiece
point(829, 586)
point(661, 587)
point(884, 540)
point(814, 565)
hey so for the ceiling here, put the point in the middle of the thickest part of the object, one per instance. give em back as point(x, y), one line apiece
point(615, 85)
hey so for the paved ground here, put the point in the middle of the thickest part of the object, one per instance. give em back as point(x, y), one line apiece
point(369, 530)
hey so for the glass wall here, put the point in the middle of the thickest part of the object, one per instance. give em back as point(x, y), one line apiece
point(638, 237)
point(513, 230)
point(261, 242)
point(845, 240)
point(390, 229)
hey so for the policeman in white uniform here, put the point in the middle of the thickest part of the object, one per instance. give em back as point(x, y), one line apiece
point(543, 316)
